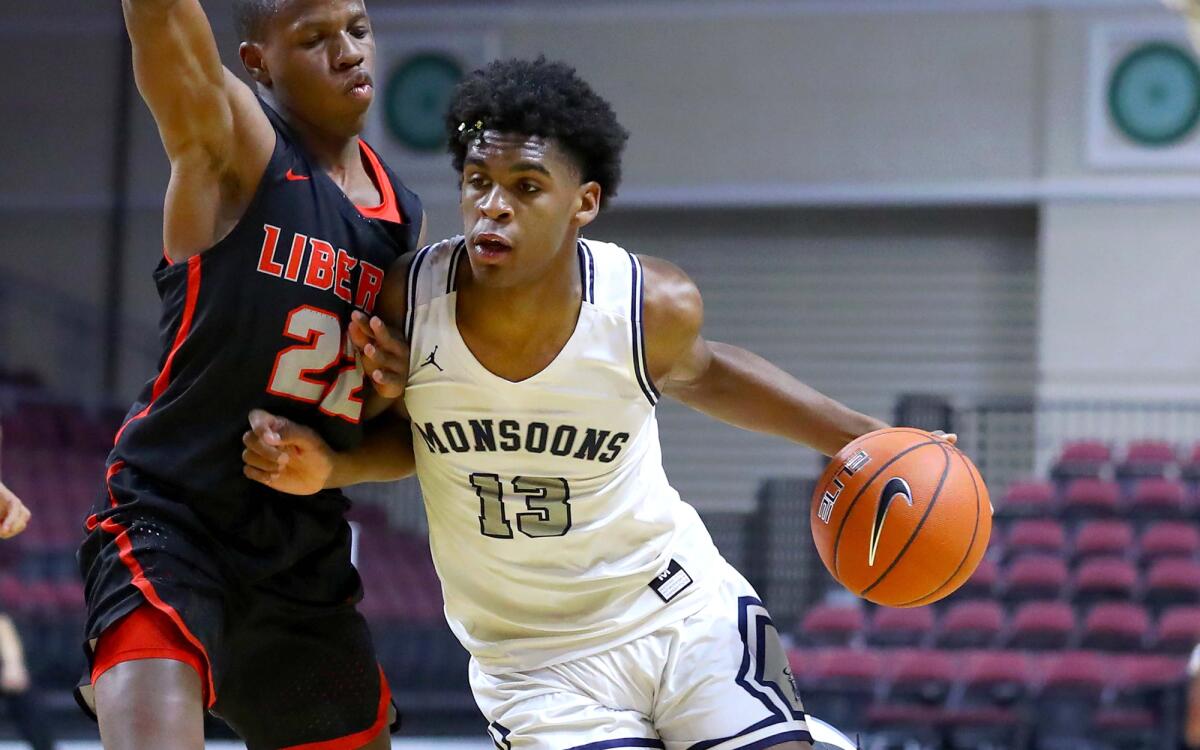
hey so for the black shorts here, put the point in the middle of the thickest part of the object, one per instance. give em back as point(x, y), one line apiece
point(290, 660)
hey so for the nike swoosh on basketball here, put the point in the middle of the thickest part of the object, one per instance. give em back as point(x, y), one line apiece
point(293, 177)
point(895, 487)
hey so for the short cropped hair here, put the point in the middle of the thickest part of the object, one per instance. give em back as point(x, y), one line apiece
point(546, 99)
point(250, 17)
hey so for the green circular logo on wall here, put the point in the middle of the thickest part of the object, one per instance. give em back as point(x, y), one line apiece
point(1154, 94)
point(416, 99)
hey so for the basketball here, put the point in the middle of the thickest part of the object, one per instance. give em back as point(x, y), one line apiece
point(901, 518)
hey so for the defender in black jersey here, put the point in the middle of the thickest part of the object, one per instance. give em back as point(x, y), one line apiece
point(204, 589)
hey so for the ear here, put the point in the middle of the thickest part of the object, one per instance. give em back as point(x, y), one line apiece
point(255, 62)
point(589, 204)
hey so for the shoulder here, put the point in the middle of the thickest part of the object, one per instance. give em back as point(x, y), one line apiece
point(671, 301)
point(672, 315)
point(394, 299)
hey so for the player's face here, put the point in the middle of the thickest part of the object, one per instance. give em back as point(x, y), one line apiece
point(522, 206)
point(320, 55)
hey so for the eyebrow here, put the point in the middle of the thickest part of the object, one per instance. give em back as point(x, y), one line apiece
point(521, 166)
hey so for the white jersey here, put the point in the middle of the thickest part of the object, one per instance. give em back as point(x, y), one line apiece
point(553, 528)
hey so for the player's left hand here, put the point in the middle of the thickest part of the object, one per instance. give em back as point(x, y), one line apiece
point(284, 455)
point(14, 516)
point(384, 356)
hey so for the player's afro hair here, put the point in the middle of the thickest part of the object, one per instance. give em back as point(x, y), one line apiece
point(250, 17)
point(542, 98)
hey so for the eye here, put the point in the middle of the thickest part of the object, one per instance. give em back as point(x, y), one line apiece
point(477, 181)
point(310, 41)
point(360, 32)
point(530, 188)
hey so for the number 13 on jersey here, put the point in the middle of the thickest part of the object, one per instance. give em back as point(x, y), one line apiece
point(548, 500)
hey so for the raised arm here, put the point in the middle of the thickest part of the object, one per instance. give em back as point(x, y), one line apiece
point(730, 383)
point(215, 133)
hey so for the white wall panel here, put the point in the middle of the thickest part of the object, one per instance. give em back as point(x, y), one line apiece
point(862, 305)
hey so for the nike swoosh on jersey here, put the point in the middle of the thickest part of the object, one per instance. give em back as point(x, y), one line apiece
point(895, 487)
point(293, 177)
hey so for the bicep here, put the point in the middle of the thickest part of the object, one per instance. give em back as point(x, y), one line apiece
point(204, 113)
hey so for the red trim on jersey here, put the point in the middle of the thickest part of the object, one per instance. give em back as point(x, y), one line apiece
point(389, 209)
point(166, 257)
point(145, 633)
point(185, 325)
point(358, 739)
point(125, 549)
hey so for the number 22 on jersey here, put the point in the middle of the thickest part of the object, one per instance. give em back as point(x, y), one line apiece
point(323, 370)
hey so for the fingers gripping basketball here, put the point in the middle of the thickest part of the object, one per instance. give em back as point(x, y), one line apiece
point(901, 518)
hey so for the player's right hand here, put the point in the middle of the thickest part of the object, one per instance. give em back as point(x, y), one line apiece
point(14, 516)
point(284, 455)
point(384, 356)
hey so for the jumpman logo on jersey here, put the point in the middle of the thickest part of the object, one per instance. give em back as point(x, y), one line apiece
point(430, 360)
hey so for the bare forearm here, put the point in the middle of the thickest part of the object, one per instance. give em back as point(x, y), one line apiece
point(747, 391)
point(385, 455)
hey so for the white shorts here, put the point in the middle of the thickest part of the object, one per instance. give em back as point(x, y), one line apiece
point(717, 680)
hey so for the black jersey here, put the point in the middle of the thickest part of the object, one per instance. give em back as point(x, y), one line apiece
point(259, 321)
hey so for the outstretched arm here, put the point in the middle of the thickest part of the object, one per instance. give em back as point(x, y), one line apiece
point(730, 383)
point(214, 132)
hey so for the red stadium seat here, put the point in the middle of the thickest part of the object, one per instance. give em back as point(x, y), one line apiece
point(921, 675)
point(910, 626)
point(1033, 537)
point(1159, 498)
point(1072, 686)
point(1178, 630)
point(832, 625)
point(1173, 581)
point(1088, 497)
point(1082, 458)
point(1103, 538)
point(1116, 626)
point(1168, 539)
point(1029, 498)
point(1147, 458)
point(971, 624)
point(1191, 467)
point(1105, 578)
point(981, 583)
point(988, 712)
point(1035, 577)
point(1041, 626)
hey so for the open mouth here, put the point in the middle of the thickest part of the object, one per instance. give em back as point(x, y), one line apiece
point(491, 246)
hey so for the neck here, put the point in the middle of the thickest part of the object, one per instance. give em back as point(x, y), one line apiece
point(335, 152)
point(539, 306)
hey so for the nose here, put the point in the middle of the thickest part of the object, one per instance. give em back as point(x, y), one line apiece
point(348, 52)
point(494, 206)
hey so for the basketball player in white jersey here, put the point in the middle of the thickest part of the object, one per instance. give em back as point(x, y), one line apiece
point(596, 609)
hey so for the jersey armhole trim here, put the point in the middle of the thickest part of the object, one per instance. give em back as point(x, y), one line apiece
point(587, 272)
point(452, 270)
point(410, 313)
point(640, 368)
point(389, 208)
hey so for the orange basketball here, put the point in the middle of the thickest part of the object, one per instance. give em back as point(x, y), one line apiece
point(901, 518)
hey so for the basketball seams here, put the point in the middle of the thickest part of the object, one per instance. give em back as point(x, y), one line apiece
point(928, 510)
point(837, 540)
point(934, 595)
